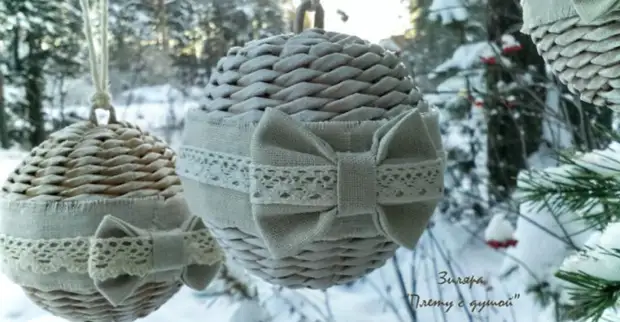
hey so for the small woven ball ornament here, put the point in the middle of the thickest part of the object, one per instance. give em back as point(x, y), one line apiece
point(314, 158)
point(580, 40)
point(92, 223)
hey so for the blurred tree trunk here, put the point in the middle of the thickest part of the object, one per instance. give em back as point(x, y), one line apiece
point(4, 131)
point(587, 120)
point(34, 87)
point(417, 9)
point(162, 24)
point(513, 133)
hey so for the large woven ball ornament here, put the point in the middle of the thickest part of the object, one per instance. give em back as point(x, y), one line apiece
point(93, 225)
point(313, 159)
point(580, 40)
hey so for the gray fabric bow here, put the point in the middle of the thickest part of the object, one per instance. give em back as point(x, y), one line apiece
point(287, 228)
point(590, 10)
point(168, 255)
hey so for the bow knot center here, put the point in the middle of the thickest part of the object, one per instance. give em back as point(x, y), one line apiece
point(357, 191)
point(168, 250)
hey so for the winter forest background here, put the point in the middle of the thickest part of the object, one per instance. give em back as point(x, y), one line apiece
point(502, 113)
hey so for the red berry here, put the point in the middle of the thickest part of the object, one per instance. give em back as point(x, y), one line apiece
point(512, 49)
point(488, 60)
point(495, 244)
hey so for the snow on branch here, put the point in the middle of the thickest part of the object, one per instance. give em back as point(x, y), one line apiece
point(595, 275)
point(587, 184)
point(448, 11)
point(468, 56)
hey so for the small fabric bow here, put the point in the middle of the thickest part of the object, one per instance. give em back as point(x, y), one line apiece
point(166, 252)
point(284, 147)
point(590, 10)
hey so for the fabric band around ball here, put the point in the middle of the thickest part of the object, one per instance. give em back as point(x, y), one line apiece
point(119, 257)
point(293, 172)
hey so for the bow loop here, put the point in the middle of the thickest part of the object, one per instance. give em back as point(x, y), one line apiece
point(277, 135)
point(416, 139)
point(122, 256)
point(299, 184)
point(590, 10)
point(409, 136)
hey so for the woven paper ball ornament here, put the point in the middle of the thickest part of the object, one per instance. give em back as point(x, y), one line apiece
point(93, 225)
point(580, 40)
point(313, 159)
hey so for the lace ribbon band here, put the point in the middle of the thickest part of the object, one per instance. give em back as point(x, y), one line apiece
point(305, 185)
point(291, 171)
point(100, 258)
point(120, 255)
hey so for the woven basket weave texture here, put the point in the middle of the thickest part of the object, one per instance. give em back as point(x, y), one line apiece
point(584, 56)
point(83, 161)
point(313, 76)
point(94, 308)
point(88, 161)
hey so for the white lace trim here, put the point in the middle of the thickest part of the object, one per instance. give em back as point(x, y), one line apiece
point(101, 259)
point(308, 185)
point(215, 168)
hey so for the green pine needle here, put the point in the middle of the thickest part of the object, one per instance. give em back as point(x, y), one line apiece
point(588, 190)
point(592, 295)
point(596, 198)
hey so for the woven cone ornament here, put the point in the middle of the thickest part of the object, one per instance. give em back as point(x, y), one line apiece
point(314, 158)
point(580, 40)
point(93, 225)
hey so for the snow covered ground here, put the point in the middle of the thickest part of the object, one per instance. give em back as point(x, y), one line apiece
point(379, 297)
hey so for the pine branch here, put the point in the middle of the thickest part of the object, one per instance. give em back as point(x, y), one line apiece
point(594, 199)
point(587, 184)
point(591, 295)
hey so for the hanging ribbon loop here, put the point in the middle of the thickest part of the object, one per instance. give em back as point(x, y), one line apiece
point(309, 6)
point(98, 61)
